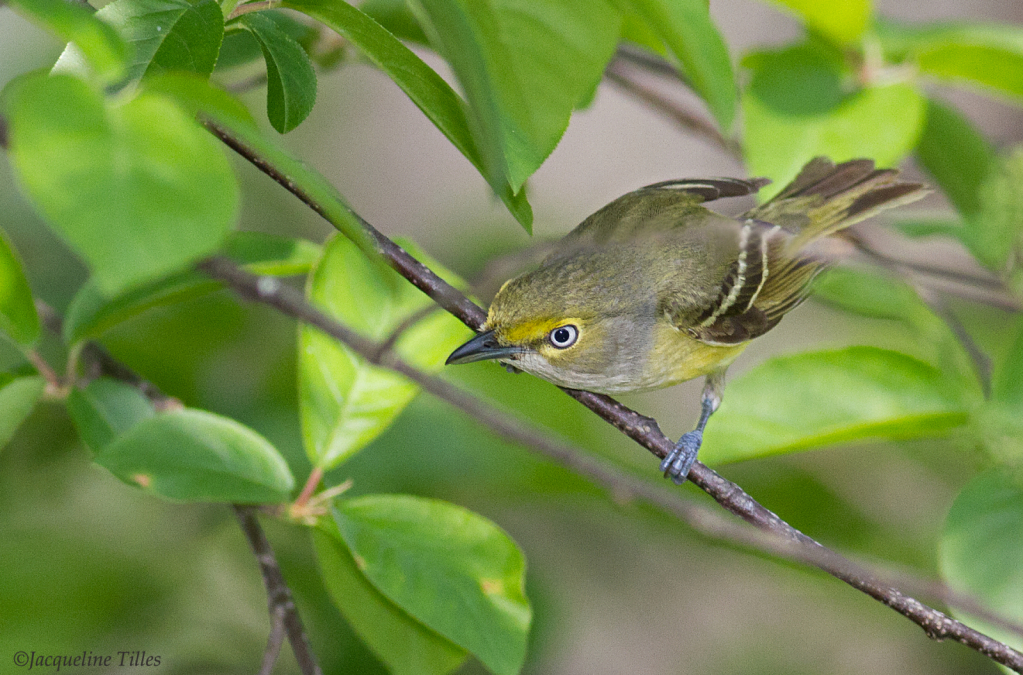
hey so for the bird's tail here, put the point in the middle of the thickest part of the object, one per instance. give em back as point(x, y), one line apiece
point(825, 198)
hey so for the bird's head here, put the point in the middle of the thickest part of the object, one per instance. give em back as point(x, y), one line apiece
point(561, 323)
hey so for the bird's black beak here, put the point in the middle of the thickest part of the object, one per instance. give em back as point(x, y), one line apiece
point(483, 346)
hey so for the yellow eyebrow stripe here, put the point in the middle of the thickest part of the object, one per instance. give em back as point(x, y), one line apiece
point(530, 331)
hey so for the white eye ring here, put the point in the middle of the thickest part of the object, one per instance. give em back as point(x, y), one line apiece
point(564, 337)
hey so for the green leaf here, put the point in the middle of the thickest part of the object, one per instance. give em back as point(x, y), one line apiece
point(291, 80)
point(397, 18)
point(868, 293)
point(795, 109)
point(345, 402)
point(980, 553)
point(686, 28)
point(18, 396)
point(139, 190)
point(196, 95)
point(196, 456)
point(98, 42)
point(1007, 387)
point(448, 567)
point(524, 66)
point(18, 316)
point(424, 87)
point(956, 155)
point(915, 228)
point(166, 35)
point(820, 398)
point(404, 645)
point(105, 409)
point(91, 312)
point(995, 234)
point(843, 21)
point(990, 55)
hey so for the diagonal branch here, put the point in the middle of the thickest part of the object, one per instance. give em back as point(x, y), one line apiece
point(778, 537)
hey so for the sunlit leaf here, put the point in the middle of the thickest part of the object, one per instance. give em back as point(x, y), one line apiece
point(450, 568)
point(193, 455)
point(796, 108)
point(685, 26)
point(291, 80)
point(980, 553)
point(815, 399)
point(344, 401)
point(18, 396)
point(18, 317)
point(105, 409)
point(165, 35)
point(524, 66)
point(92, 312)
point(841, 20)
point(402, 643)
point(424, 87)
point(138, 189)
point(97, 42)
point(990, 55)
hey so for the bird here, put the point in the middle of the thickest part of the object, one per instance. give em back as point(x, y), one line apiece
point(655, 289)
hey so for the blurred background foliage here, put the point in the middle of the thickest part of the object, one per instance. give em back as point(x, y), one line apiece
point(91, 563)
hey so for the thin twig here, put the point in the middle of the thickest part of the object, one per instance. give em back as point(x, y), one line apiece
point(274, 641)
point(655, 99)
point(981, 361)
point(783, 538)
point(277, 592)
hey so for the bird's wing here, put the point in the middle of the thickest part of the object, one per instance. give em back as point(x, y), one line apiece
point(660, 207)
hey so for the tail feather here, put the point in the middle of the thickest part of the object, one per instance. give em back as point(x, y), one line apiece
point(825, 198)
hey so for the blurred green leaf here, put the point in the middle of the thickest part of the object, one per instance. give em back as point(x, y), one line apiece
point(986, 189)
point(686, 28)
point(196, 94)
point(956, 155)
point(18, 316)
point(814, 399)
point(138, 189)
point(1007, 386)
point(843, 21)
point(426, 88)
point(980, 553)
point(990, 54)
point(18, 396)
point(105, 409)
point(995, 234)
point(796, 108)
point(868, 293)
point(344, 401)
point(92, 312)
point(406, 646)
point(926, 228)
point(196, 456)
point(524, 66)
point(448, 567)
point(397, 18)
point(98, 42)
point(291, 80)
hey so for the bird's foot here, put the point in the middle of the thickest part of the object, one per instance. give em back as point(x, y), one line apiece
point(678, 462)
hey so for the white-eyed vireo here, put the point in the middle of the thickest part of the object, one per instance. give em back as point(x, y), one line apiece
point(654, 289)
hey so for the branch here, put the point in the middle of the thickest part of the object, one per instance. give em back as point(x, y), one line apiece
point(688, 121)
point(278, 595)
point(283, 612)
point(777, 536)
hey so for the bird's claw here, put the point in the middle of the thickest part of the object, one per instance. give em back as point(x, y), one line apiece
point(678, 462)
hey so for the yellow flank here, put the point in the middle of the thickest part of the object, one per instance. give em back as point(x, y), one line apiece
point(676, 357)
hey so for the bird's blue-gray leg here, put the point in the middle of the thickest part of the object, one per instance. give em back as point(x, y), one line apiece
point(678, 462)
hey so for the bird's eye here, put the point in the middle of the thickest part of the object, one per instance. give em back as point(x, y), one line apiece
point(564, 336)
